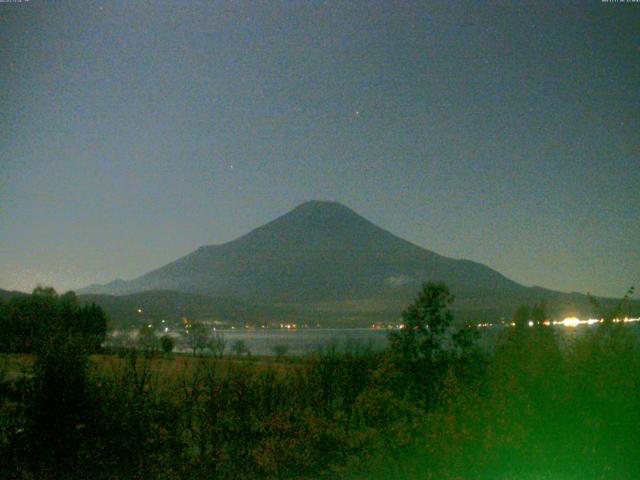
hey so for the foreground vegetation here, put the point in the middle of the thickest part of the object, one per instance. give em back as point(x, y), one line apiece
point(432, 406)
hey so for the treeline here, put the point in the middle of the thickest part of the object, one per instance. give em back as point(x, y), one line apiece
point(29, 323)
point(542, 404)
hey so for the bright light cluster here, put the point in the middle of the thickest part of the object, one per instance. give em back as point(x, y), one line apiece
point(574, 321)
point(571, 322)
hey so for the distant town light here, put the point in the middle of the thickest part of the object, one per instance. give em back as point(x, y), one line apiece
point(570, 322)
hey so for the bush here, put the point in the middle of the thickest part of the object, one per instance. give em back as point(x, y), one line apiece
point(167, 344)
point(280, 350)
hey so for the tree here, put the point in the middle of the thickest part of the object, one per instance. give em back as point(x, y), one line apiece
point(58, 410)
point(45, 292)
point(217, 344)
point(147, 340)
point(167, 344)
point(3, 326)
point(239, 347)
point(539, 314)
point(43, 316)
point(608, 315)
point(522, 316)
point(280, 350)
point(197, 337)
point(424, 324)
point(31, 321)
point(92, 322)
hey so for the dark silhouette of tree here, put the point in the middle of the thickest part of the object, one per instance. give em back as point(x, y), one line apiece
point(167, 344)
point(217, 345)
point(58, 411)
point(280, 350)
point(29, 322)
point(45, 292)
point(424, 324)
point(94, 323)
point(239, 347)
point(197, 337)
point(608, 315)
point(3, 326)
point(539, 313)
point(522, 316)
point(147, 340)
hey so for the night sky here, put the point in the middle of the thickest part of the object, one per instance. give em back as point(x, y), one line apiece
point(503, 132)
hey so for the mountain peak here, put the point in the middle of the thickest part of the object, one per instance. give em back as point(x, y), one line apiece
point(324, 208)
point(321, 205)
point(322, 211)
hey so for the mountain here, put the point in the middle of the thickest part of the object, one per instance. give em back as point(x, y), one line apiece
point(327, 260)
point(158, 305)
point(6, 295)
point(318, 251)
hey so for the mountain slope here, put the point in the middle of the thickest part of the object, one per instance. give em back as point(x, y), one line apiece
point(156, 305)
point(170, 305)
point(333, 266)
point(6, 295)
point(319, 251)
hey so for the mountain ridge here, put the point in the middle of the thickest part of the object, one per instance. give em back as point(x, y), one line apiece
point(325, 261)
point(317, 251)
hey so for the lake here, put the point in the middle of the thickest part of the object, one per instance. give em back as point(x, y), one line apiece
point(307, 340)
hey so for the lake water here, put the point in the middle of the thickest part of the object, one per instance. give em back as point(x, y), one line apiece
point(303, 341)
point(264, 341)
point(308, 340)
